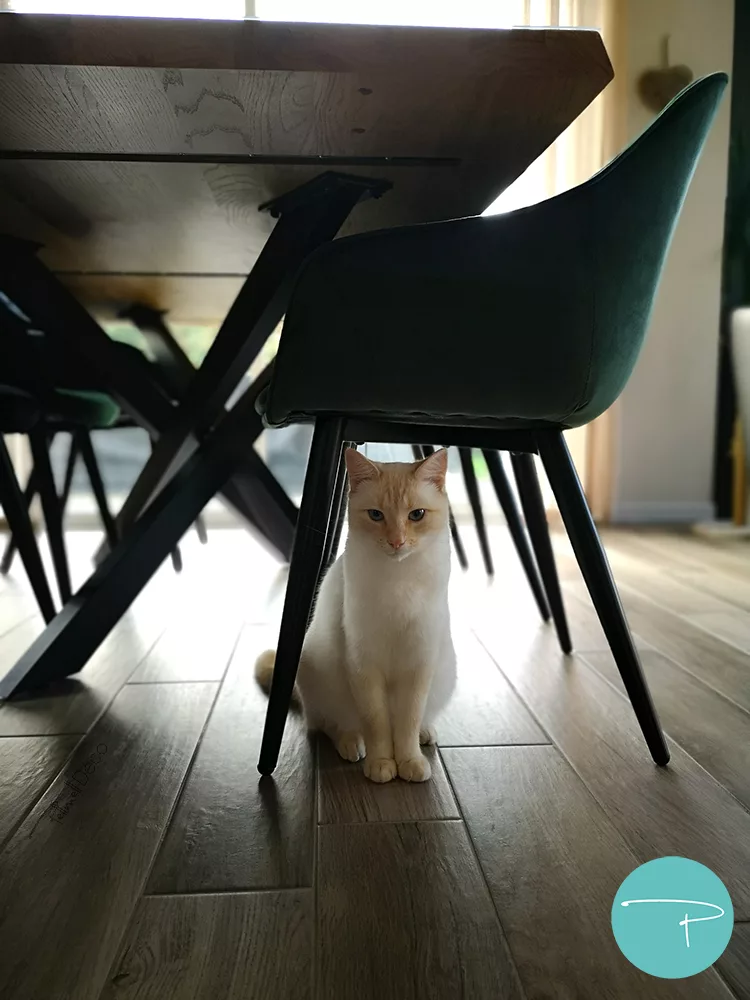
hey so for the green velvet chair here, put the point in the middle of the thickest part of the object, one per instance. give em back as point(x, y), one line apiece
point(493, 332)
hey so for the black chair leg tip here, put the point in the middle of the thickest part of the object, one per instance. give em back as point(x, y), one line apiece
point(265, 770)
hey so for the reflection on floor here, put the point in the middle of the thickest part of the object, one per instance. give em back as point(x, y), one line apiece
point(143, 858)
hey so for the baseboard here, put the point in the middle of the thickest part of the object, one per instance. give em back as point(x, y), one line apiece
point(660, 512)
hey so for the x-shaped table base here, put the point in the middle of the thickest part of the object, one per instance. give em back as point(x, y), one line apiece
point(202, 449)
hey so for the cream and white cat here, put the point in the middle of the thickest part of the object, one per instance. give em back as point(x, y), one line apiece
point(378, 662)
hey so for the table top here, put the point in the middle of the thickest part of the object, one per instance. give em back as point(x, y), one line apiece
point(137, 150)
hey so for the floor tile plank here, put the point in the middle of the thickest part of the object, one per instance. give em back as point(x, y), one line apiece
point(90, 842)
point(660, 811)
point(27, 765)
point(246, 946)
point(346, 796)
point(196, 647)
point(553, 861)
point(713, 569)
point(75, 703)
point(404, 912)
point(723, 667)
point(231, 830)
point(484, 709)
point(734, 964)
point(714, 731)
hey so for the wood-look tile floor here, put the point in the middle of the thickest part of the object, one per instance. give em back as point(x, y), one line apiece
point(144, 859)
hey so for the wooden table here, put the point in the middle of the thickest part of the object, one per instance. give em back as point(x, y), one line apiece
point(147, 145)
point(138, 151)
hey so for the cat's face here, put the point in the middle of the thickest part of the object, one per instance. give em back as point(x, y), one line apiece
point(401, 507)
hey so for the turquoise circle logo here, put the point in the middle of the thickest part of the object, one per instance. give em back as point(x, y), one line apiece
point(672, 918)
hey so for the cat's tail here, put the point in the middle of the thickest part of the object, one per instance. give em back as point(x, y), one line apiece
point(264, 669)
point(264, 674)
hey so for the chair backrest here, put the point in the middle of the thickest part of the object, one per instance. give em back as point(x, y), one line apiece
point(532, 317)
point(627, 213)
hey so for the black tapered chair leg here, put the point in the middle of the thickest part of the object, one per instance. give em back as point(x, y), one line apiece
point(97, 485)
point(592, 559)
point(16, 513)
point(338, 512)
point(30, 492)
point(472, 489)
point(458, 545)
point(70, 467)
point(307, 558)
point(200, 529)
point(422, 451)
point(512, 515)
point(532, 502)
point(10, 546)
point(52, 510)
point(175, 555)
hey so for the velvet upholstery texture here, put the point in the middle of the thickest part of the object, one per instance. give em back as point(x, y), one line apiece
point(65, 392)
point(533, 319)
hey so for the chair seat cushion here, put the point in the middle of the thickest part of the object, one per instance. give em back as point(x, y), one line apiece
point(464, 323)
point(95, 410)
point(410, 417)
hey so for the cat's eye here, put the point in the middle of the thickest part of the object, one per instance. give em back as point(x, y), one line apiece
point(416, 515)
point(375, 515)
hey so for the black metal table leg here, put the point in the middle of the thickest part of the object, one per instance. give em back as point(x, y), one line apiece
point(592, 559)
point(308, 217)
point(14, 507)
point(97, 485)
point(67, 643)
point(34, 289)
point(306, 220)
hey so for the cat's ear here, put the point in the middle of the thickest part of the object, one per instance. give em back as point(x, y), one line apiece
point(433, 469)
point(359, 468)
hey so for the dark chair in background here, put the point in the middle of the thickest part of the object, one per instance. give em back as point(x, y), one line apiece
point(70, 401)
point(31, 364)
point(19, 414)
point(508, 329)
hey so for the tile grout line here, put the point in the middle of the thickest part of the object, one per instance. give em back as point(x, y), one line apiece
point(248, 890)
point(398, 822)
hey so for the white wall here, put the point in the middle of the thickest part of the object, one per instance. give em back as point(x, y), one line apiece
point(665, 419)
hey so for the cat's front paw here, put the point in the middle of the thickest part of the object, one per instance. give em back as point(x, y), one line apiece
point(427, 736)
point(351, 746)
point(415, 769)
point(380, 769)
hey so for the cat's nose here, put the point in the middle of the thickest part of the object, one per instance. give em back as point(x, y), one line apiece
point(396, 543)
